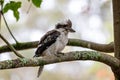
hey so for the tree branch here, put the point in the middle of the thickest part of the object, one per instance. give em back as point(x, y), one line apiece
point(19, 46)
point(72, 42)
point(70, 56)
point(8, 27)
point(0, 22)
point(116, 10)
point(116, 20)
point(92, 45)
point(11, 47)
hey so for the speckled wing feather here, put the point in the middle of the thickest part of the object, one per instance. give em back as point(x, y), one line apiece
point(47, 40)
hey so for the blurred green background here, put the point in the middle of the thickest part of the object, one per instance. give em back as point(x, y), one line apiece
point(92, 20)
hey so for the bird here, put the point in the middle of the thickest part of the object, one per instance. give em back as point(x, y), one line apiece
point(54, 41)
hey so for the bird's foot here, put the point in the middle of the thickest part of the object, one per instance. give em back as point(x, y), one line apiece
point(59, 54)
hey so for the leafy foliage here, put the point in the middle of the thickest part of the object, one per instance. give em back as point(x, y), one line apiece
point(1, 2)
point(37, 3)
point(14, 6)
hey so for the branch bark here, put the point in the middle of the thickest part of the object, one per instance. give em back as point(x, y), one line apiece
point(11, 47)
point(72, 42)
point(70, 56)
point(116, 10)
point(8, 27)
point(116, 18)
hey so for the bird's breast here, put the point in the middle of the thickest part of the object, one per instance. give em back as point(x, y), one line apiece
point(61, 42)
point(58, 46)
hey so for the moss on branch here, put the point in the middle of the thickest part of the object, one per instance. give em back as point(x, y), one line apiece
point(70, 56)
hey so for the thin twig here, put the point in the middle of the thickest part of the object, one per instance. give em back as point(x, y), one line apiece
point(8, 27)
point(11, 47)
point(1, 14)
point(29, 8)
point(0, 21)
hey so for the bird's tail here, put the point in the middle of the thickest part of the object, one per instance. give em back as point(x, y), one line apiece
point(40, 70)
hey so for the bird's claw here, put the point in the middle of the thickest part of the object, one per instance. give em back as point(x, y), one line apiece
point(59, 54)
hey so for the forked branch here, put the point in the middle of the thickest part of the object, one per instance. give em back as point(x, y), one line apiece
point(11, 47)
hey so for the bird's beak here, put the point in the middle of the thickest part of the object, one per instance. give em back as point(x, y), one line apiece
point(71, 30)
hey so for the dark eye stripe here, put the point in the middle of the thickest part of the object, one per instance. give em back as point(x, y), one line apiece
point(61, 26)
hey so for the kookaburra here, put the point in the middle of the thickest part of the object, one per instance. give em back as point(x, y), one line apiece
point(54, 41)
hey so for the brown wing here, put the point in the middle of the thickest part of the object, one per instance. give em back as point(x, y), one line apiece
point(47, 40)
point(46, 35)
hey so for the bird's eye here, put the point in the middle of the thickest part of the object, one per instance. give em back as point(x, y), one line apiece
point(65, 25)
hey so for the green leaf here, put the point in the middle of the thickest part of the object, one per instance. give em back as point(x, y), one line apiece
point(1, 2)
point(14, 6)
point(37, 3)
point(16, 14)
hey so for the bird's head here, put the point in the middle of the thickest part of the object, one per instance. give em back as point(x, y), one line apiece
point(66, 26)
